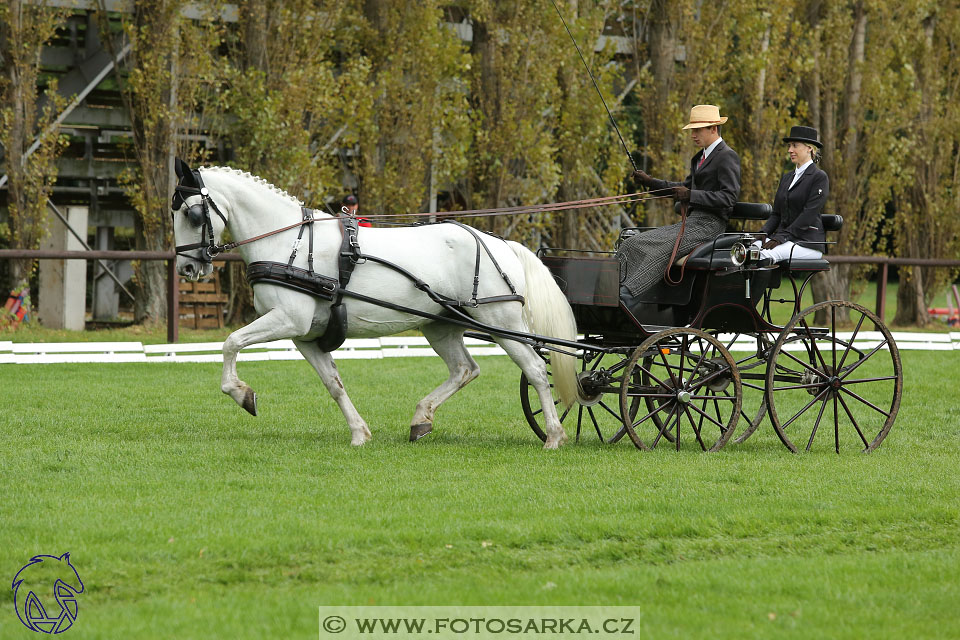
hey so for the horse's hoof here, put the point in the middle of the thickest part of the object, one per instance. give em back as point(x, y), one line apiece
point(250, 402)
point(417, 431)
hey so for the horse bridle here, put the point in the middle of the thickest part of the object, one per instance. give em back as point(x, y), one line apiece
point(199, 216)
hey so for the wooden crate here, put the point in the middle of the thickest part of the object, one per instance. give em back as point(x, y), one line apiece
point(202, 304)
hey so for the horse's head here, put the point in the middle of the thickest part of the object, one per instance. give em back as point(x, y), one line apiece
point(196, 232)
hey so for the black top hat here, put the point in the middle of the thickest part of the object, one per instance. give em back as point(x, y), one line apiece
point(804, 134)
point(349, 200)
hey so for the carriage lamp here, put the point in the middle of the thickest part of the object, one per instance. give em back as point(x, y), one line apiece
point(741, 253)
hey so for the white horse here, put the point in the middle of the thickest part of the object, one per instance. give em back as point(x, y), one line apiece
point(442, 255)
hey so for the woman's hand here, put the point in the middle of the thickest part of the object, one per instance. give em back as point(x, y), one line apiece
point(771, 243)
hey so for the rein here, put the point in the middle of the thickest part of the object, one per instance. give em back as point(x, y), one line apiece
point(676, 248)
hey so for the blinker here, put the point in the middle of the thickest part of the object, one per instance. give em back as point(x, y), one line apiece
point(195, 214)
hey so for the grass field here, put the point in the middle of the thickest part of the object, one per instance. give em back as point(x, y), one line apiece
point(187, 518)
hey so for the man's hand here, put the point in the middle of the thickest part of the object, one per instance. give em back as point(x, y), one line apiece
point(760, 237)
point(681, 194)
point(642, 178)
point(771, 243)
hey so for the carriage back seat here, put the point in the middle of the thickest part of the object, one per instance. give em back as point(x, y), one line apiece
point(712, 256)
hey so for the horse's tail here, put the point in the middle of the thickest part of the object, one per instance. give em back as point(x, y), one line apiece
point(547, 313)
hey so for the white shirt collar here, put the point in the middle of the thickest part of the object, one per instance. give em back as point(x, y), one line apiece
point(803, 167)
point(707, 151)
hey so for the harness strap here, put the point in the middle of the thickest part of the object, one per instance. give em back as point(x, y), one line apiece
point(476, 274)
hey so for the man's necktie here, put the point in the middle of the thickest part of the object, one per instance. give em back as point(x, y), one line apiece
point(700, 164)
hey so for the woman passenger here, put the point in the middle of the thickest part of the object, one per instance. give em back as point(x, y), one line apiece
point(794, 230)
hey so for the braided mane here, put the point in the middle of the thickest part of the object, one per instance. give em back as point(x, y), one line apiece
point(256, 179)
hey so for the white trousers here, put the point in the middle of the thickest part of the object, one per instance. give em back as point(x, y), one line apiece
point(787, 251)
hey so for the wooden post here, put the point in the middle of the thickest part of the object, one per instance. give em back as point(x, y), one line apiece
point(882, 291)
point(173, 302)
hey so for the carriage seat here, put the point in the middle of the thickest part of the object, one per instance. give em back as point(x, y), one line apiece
point(716, 255)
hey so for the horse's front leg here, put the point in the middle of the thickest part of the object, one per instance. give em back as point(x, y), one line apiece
point(276, 324)
point(322, 362)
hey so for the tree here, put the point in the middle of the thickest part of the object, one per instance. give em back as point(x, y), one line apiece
point(414, 127)
point(163, 84)
point(923, 72)
point(24, 121)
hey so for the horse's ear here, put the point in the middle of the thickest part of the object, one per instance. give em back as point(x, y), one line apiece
point(185, 173)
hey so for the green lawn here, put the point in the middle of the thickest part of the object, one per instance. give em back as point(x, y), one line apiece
point(187, 518)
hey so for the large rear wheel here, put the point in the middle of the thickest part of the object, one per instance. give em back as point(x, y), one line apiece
point(821, 381)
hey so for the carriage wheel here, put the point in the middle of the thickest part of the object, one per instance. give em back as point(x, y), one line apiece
point(602, 376)
point(817, 376)
point(692, 385)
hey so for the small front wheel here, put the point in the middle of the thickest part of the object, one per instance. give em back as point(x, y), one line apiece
point(690, 382)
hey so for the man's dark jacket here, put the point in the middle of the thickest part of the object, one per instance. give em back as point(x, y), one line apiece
point(796, 211)
point(715, 186)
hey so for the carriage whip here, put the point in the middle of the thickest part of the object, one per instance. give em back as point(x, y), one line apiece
point(597, 86)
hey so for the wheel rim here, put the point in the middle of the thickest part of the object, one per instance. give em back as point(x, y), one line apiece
point(698, 397)
point(832, 385)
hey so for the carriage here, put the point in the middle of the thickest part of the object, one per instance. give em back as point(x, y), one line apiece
point(696, 360)
point(687, 365)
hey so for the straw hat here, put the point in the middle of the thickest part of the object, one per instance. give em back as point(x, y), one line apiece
point(705, 115)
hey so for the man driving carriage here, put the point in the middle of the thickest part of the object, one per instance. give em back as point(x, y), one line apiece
point(709, 192)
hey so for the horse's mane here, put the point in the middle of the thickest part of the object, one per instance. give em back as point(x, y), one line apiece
point(256, 180)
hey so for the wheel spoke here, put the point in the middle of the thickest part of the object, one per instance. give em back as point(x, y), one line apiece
point(816, 425)
point(856, 425)
point(864, 401)
point(696, 430)
point(713, 397)
point(861, 380)
point(813, 343)
point(707, 416)
point(836, 424)
point(833, 342)
point(809, 385)
point(664, 428)
point(850, 343)
point(804, 410)
point(579, 420)
point(856, 364)
point(596, 427)
point(660, 382)
point(659, 408)
point(609, 410)
point(802, 363)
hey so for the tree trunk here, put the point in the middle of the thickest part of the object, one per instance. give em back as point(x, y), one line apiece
point(911, 300)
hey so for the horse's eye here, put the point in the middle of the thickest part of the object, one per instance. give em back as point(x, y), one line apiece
point(195, 215)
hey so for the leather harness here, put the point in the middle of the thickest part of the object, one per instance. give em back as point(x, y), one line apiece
point(333, 289)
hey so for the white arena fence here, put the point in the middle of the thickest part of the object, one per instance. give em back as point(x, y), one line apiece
point(375, 348)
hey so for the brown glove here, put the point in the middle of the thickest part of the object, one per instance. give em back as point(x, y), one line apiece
point(642, 178)
point(760, 237)
point(681, 194)
point(771, 243)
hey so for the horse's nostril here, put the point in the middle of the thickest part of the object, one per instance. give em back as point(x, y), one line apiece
point(188, 269)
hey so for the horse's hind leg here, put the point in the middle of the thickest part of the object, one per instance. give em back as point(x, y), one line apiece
point(447, 341)
point(534, 368)
point(322, 363)
point(273, 325)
